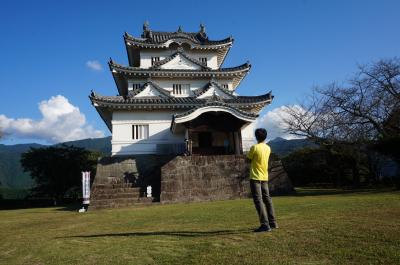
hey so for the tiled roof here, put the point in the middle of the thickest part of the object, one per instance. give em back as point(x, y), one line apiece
point(129, 69)
point(160, 37)
point(216, 104)
point(192, 101)
point(106, 104)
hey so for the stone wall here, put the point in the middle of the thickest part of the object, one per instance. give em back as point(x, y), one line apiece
point(222, 177)
point(122, 180)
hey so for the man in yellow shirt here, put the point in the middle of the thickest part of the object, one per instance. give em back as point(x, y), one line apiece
point(259, 156)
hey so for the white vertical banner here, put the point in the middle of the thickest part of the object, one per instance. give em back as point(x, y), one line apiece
point(86, 187)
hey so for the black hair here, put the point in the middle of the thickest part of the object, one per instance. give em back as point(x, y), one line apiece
point(261, 134)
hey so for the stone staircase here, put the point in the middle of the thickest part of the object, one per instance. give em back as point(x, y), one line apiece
point(116, 195)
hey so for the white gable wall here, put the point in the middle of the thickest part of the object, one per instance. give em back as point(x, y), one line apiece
point(149, 91)
point(145, 57)
point(180, 62)
point(214, 90)
point(168, 83)
point(211, 58)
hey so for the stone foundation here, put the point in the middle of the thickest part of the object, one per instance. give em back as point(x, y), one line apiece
point(122, 181)
point(222, 177)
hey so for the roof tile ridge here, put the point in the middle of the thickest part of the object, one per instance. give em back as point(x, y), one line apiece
point(268, 94)
point(158, 88)
point(226, 91)
point(239, 67)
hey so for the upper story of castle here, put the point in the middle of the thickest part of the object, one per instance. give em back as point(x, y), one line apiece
point(178, 62)
point(155, 46)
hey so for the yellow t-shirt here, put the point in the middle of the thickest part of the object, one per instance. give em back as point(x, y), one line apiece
point(259, 156)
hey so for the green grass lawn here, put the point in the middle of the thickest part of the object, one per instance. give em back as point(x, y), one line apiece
point(348, 228)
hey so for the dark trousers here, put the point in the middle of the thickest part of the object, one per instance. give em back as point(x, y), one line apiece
point(263, 202)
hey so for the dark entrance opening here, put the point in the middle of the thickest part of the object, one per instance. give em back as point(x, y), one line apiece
point(205, 139)
point(214, 133)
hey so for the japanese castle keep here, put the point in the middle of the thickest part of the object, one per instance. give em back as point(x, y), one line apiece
point(176, 109)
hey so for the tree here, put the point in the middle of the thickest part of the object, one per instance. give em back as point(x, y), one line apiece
point(363, 114)
point(57, 169)
point(365, 109)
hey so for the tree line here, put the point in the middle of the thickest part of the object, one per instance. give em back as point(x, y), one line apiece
point(356, 124)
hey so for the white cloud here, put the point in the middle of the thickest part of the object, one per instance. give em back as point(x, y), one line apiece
point(94, 65)
point(61, 122)
point(273, 122)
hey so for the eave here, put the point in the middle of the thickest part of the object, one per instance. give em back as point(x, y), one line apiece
point(152, 103)
point(122, 73)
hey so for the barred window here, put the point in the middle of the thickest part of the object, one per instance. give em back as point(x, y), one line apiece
point(180, 89)
point(140, 131)
point(225, 86)
point(154, 60)
point(203, 60)
point(136, 85)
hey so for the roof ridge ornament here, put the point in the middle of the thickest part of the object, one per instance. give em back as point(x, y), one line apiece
point(146, 26)
point(180, 29)
point(202, 28)
point(146, 30)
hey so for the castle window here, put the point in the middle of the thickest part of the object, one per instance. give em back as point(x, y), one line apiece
point(135, 86)
point(154, 60)
point(140, 131)
point(180, 89)
point(203, 60)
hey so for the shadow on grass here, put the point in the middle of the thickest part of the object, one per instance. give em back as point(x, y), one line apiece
point(300, 192)
point(168, 233)
point(70, 207)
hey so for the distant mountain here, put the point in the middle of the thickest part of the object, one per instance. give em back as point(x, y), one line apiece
point(11, 172)
point(13, 176)
point(283, 147)
point(95, 144)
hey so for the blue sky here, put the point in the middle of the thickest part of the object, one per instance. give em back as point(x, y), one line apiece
point(292, 45)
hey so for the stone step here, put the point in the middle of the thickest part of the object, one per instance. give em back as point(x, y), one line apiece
point(101, 196)
point(115, 190)
point(113, 186)
point(119, 205)
point(108, 206)
point(146, 200)
point(114, 200)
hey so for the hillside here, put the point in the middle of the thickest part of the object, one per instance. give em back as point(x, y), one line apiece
point(283, 147)
point(11, 172)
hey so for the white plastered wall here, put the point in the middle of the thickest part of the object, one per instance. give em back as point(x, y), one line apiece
point(159, 123)
point(145, 57)
point(248, 138)
point(167, 83)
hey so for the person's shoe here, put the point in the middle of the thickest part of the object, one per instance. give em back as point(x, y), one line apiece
point(263, 228)
point(273, 226)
